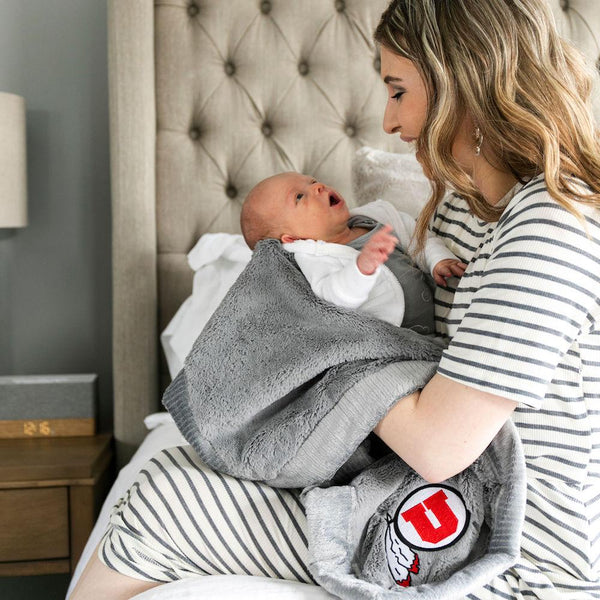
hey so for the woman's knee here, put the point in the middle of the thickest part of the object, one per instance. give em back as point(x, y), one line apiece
point(99, 581)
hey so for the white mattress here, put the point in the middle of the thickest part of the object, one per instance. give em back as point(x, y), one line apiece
point(164, 434)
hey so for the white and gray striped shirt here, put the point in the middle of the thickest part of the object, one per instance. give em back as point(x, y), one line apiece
point(524, 323)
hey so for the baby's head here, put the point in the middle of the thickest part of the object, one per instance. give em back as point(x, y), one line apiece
point(292, 206)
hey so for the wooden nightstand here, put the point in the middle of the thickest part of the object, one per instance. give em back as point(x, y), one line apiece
point(50, 492)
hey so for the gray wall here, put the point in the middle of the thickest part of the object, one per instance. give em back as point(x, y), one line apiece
point(55, 288)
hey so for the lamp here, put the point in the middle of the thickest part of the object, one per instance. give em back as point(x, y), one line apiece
point(13, 167)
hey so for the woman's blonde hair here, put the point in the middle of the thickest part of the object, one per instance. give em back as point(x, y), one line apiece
point(528, 90)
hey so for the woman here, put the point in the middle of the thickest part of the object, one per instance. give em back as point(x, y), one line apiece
point(498, 107)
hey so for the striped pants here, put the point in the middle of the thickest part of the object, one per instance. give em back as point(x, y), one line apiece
point(181, 519)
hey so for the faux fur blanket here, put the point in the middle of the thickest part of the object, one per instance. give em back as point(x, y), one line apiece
point(285, 388)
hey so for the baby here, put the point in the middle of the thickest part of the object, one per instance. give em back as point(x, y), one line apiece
point(350, 258)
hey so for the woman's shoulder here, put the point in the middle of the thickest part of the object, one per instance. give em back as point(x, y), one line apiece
point(534, 208)
point(538, 236)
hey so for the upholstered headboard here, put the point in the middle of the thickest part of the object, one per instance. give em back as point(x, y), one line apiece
point(206, 98)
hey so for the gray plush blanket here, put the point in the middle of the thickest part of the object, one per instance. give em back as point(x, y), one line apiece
point(285, 388)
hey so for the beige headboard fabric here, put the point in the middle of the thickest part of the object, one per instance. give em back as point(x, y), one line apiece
point(206, 98)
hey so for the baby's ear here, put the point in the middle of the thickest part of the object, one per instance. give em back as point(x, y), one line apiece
point(286, 238)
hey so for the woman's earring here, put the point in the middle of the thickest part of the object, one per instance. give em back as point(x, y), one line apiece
point(478, 141)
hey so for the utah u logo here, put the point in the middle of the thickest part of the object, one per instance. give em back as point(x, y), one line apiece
point(430, 518)
point(433, 518)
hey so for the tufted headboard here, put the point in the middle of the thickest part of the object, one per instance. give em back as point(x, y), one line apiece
point(206, 98)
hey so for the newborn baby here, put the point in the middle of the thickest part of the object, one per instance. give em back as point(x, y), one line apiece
point(356, 259)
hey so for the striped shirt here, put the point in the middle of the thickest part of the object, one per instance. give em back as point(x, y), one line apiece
point(523, 323)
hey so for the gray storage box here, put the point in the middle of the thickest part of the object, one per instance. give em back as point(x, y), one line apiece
point(48, 397)
point(47, 405)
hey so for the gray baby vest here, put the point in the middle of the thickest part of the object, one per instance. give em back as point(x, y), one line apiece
point(418, 286)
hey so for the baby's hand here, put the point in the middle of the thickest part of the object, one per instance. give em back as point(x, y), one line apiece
point(376, 251)
point(449, 267)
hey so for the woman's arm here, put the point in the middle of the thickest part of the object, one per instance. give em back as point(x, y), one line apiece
point(444, 428)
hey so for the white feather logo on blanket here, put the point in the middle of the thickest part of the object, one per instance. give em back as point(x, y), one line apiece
point(402, 561)
point(430, 518)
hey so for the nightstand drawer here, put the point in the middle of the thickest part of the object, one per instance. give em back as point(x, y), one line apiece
point(34, 523)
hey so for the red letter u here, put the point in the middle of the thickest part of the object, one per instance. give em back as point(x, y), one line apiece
point(428, 532)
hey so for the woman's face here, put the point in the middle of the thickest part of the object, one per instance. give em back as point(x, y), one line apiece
point(406, 108)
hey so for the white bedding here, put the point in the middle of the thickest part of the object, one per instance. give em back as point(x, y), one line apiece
point(164, 434)
point(234, 587)
point(217, 259)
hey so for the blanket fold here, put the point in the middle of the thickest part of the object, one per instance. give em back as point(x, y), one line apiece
point(285, 388)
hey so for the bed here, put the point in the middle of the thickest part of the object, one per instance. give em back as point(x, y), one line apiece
point(206, 98)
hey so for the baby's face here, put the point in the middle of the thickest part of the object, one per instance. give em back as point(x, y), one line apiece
point(303, 208)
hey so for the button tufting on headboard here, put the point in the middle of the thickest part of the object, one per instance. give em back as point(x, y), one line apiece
point(340, 5)
point(303, 68)
point(231, 191)
point(564, 4)
point(267, 129)
point(350, 130)
point(194, 133)
point(229, 68)
point(193, 9)
point(265, 7)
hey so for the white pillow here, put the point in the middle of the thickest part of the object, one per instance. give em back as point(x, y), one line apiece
point(397, 178)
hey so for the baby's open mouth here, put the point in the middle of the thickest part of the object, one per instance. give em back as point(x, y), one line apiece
point(333, 200)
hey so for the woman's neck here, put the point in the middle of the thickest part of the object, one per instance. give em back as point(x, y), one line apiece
point(493, 183)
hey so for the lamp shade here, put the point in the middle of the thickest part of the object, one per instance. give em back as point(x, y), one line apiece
point(13, 162)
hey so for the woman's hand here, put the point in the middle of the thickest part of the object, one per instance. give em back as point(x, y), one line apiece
point(448, 268)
